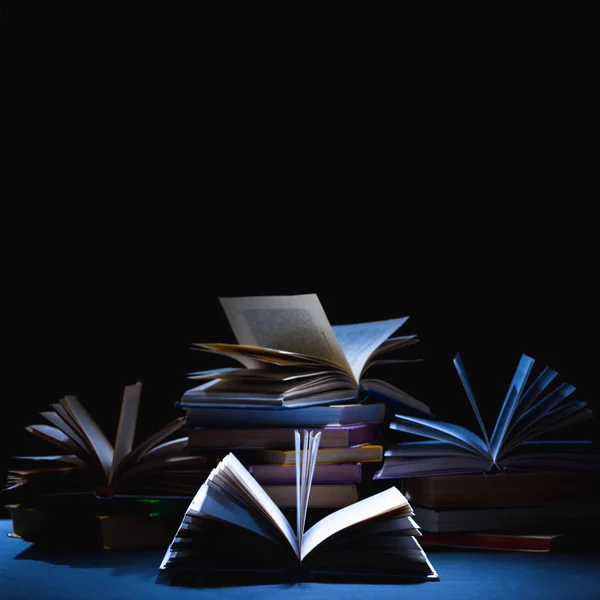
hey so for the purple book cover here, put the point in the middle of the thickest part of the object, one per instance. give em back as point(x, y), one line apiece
point(271, 474)
point(332, 436)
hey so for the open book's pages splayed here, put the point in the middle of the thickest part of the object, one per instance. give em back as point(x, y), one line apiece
point(233, 526)
point(534, 406)
point(158, 465)
point(291, 357)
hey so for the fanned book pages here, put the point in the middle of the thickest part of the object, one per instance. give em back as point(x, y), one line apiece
point(157, 465)
point(233, 528)
point(533, 407)
point(291, 356)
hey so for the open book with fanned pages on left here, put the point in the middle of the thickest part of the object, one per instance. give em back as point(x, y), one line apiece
point(127, 495)
point(89, 462)
point(233, 528)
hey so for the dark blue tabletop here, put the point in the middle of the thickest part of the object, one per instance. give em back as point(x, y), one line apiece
point(27, 572)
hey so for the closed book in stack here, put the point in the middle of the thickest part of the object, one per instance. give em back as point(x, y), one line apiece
point(96, 493)
point(268, 451)
point(294, 370)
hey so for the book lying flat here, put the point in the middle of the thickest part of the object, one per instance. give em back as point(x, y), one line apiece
point(232, 527)
point(559, 542)
point(322, 495)
point(280, 437)
point(363, 454)
point(502, 489)
point(557, 517)
point(77, 529)
point(308, 416)
point(291, 356)
point(533, 406)
point(323, 473)
point(157, 465)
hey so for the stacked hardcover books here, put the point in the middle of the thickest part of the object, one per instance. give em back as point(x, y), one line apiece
point(94, 493)
point(263, 439)
point(297, 371)
point(517, 488)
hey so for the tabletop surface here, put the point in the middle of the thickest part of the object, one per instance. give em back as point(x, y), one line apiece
point(28, 572)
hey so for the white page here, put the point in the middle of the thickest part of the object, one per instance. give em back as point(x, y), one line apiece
point(462, 373)
point(441, 431)
point(428, 448)
point(533, 392)
point(373, 506)
point(304, 461)
point(221, 478)
point(210, 502)
point(298, 480)
point(308, 458)
point(510, 403)
point(130, 405)
point(359, 340)
point(311, 458)
point(543, 407)
point(172, 447)
point(292, 323)
point(263, 498)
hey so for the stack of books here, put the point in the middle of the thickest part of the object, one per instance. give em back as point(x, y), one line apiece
point(503, 490)
point(297, 371)
point(263, 440)
point(94, 493)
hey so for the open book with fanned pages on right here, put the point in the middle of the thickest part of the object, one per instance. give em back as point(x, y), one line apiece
point(535, 404)
point(233, 528)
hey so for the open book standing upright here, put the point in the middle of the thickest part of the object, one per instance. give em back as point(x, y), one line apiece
point(157, 465)
point(233, 526)
point(291, 356)
point(533, 406)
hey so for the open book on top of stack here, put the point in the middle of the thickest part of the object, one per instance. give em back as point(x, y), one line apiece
point(292, 357)
point(232, 526)
point(535, 405)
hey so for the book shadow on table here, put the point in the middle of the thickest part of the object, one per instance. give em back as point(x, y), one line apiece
point(292, 579)
point(121, 562)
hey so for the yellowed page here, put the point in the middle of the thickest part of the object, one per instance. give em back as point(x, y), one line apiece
point(62, 440)
point(146, 445)
point(66, 417)
point(58, 422)
point(126, 429)
point(98, 441)
point(293, 323)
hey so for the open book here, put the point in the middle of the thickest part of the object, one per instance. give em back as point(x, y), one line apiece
point(157, 465)
point(533, 407)
point(291, 356)
point(233, 526)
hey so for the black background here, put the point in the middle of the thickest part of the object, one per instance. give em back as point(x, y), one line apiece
point(91, 340)
point(163, 160)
